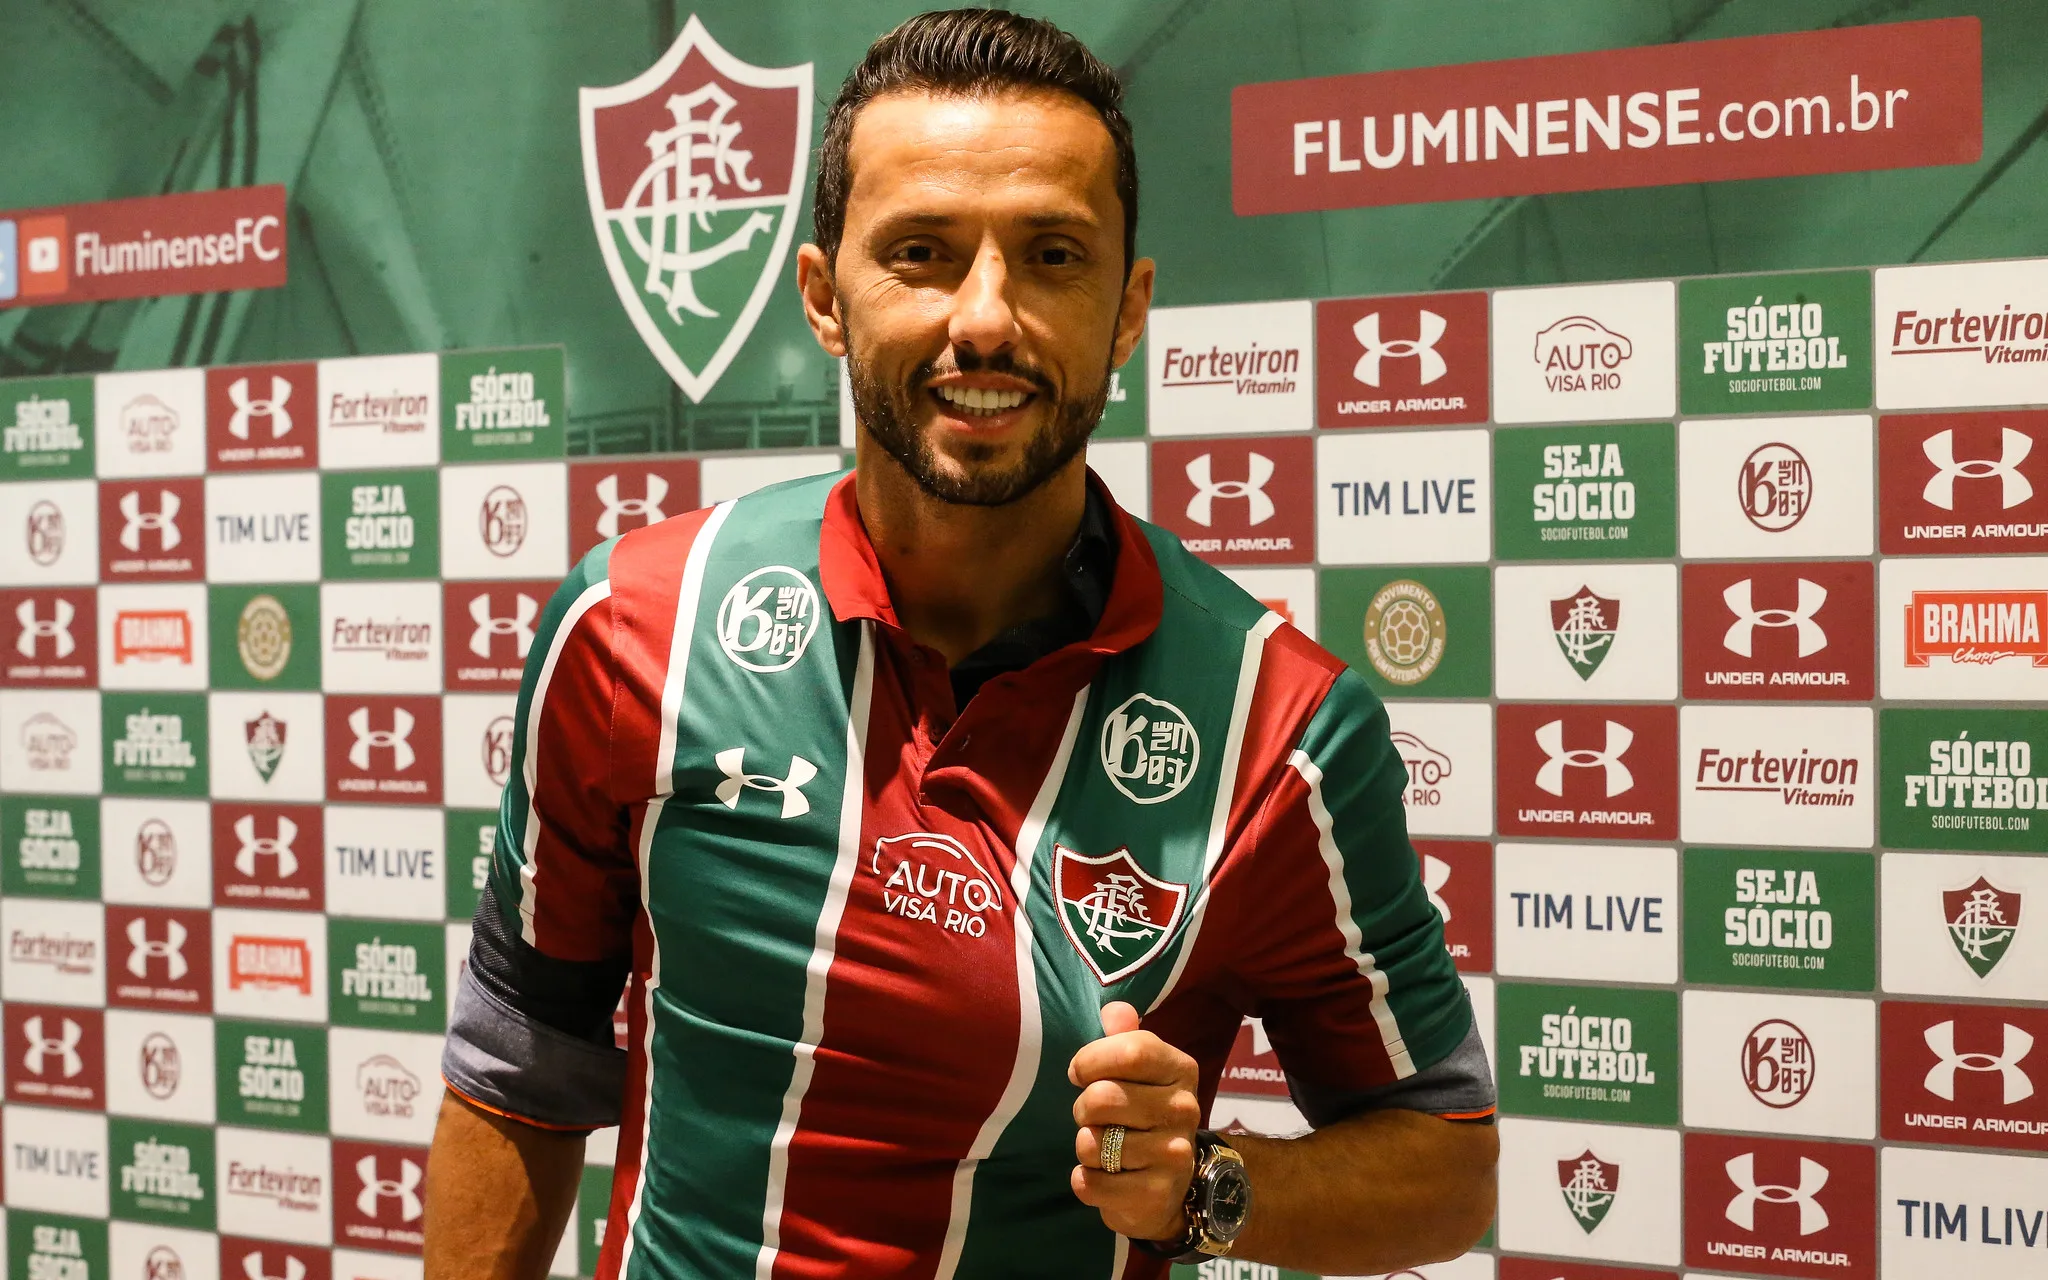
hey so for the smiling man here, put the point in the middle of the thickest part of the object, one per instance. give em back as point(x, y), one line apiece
point(944, 820)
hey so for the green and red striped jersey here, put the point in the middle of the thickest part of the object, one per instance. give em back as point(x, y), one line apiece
point(866, 930)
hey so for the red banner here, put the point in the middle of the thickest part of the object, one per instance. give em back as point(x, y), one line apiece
point(1883, 97)
point(195, 242)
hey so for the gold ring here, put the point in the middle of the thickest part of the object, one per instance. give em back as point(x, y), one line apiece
point(1113, 1148)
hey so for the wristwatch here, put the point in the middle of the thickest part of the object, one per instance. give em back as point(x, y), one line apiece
point(1219, 1200)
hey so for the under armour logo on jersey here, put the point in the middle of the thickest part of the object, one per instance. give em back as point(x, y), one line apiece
point(56, 628)
point(2014, 488)
point(273, 408)
point(1813, 1175)
point(1550, 774)
point(142, 949)
point(164, 519)
point(1436, 873)
point(1421, 348)
point(1941, 1077)
point(1252, 489)
point(395, 739)
point(732, 763)
point(41, 1048)
point(405, 1188)
point(252, 1268)
point(520, 625)
point(647, 506)
point(1741, 636)
point(255, 846)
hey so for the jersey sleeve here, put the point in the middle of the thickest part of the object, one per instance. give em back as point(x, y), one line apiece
point(1347, 966)
point(530, 1035)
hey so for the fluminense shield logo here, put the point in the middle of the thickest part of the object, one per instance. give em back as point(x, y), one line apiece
point(1982, 921)
point(1589, 1185)
point(694, 171)
point(1117, 914)
point(265, 738)
point(1585, 626)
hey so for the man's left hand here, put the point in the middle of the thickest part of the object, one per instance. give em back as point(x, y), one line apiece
point(1135, 1079)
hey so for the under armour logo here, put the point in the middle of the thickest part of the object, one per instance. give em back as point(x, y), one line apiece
point(1813, 1175)
point(647, 507)
point(1941, 1077)
point(255, 846)
point(405, 1188)
point(524, 610)
point(1940, 449)
point(252, 1268)
point(273, 408)
point(1741, 635)
point(1550, 775)
point(163, 519)
point(41, 1048)
point(732, 763)
point(141, 949)
point(394, 738)
point(56, 628)
point(1436, 873)
point(1421, 348)
point(1252, 489)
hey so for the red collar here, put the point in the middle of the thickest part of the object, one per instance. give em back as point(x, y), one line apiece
point(851, 575)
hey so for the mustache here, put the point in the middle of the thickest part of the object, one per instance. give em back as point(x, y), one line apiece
point(968, 362)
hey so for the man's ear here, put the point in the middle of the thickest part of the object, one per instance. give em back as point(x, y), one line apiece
point(820, 296)
point(1131, 313)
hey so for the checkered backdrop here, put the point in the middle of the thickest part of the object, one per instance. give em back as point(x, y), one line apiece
point(1707, 613)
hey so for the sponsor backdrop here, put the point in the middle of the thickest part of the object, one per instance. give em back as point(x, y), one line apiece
point(1687, 503)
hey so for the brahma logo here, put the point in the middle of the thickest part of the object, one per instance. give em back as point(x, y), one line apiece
point(1789, 1208)
point(1402, 361)
point(1118, 915)
point(1963, 482)
point(275, 964)
point(1790, 632)
point(1583, 771)
point(1238, 501)
point(1976, 627)
point(694, 170)
point(152, 636)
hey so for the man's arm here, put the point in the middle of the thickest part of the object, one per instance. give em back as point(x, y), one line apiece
point(499, 1194)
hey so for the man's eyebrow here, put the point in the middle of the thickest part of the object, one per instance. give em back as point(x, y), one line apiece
point(1042, 220)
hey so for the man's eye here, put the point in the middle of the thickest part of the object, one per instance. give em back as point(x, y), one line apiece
point(917, 253)
point(1056, 257)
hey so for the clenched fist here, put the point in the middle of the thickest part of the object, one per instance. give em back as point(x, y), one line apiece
point(1133, 1078)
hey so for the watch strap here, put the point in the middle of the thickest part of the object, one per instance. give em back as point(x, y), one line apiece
point(1186, 1247)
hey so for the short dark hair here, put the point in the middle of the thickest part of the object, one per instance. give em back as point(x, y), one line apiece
point(971, 51)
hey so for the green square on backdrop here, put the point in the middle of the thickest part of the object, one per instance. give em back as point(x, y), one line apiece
point(471, 834)
point(1774, 344)
point(1588, 1053)
point(56, 1245)
point(1423, 631)
point(503, 404)
point(46, 428)
point(155, 744)
point(271, 1075)
point(387, 974)
point(1585, 493)
point(50, 846)
point(264, 637)
point(380, 524)
point(1963, 778)
point(1770, 918)
point(161, 1172)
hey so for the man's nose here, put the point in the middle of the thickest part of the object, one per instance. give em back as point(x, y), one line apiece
point(982, 320)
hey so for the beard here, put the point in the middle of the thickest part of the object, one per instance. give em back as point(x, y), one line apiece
point(890, 412)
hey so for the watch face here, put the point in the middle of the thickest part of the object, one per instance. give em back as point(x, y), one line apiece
point(1229, 1200)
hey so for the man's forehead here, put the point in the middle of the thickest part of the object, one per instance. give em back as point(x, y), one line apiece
point(1027, 148)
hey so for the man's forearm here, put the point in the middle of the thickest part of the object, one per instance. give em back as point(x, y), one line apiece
point(499, 1194)
point(1377, 1192)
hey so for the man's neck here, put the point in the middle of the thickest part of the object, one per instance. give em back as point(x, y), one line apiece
point(961, 575)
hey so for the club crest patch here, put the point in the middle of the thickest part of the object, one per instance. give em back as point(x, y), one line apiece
point(1117, 915)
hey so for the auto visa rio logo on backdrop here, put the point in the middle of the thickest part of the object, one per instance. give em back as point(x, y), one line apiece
point(694, 171)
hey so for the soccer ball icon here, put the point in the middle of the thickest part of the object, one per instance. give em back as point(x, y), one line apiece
point(1404, 633)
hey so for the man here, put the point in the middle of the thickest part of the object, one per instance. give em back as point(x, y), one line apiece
point(947, 820)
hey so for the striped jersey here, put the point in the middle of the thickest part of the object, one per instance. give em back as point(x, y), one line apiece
point(868, 930)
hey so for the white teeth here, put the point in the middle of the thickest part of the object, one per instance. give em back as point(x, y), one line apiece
point(979, 401)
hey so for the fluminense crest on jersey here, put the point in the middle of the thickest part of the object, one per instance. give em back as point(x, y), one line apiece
point(1585, 625)
point(1982, 922)
point(1589, 1185)
point(1117, 914)
point(694, 171)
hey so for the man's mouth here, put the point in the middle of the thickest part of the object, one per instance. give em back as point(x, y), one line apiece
point(980, 402)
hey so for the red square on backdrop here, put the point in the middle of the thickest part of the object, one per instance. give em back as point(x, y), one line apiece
point(49, 638)
point(1772, 631)
point(383, 749)
point(487, 632)
point(160, 958)
point(1253, 1068)
point(1458, 876)
point(153, 530)
point(269, 856)
point(1387, 362)
point(1953, 1073)
point(1533, 1269)
point(378, 1196)
point(1962, 483)
point(1247, 501)
point(263, 416)
point(273, 1260)
point(614, 496)
point(1771, 1206)
point(56, 1056)
point(1607, 772)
